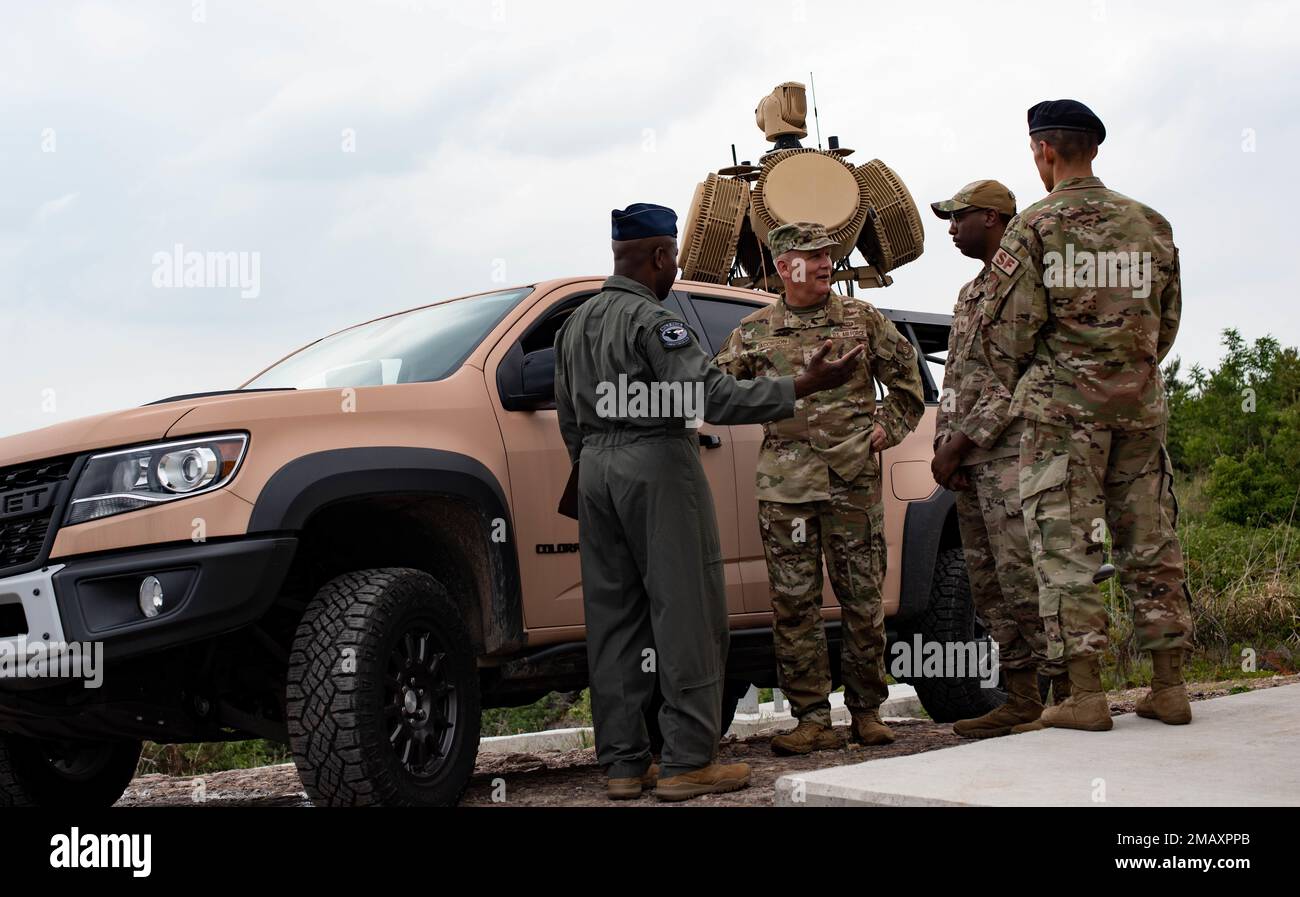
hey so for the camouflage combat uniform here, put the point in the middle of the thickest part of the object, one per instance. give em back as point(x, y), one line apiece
point(818, 479)
point(1081, 362)
point(998, 561)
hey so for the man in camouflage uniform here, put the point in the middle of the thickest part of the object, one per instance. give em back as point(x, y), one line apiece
point(1085, 308)
point(819, 485)
point(984, 470)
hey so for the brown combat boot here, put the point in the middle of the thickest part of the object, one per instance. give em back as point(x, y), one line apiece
point(1087, 707)
point(1167, 699)
point(630, 788)
point(805, 738)
point(1023, 706)
point(1060, 687)
point(868, 729)
point(713, 779)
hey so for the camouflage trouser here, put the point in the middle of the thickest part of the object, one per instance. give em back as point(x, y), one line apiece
point(849, 528)
point(1000, 567)
point(1075, 485)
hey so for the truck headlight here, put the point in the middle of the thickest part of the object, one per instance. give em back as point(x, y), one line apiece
point(129, 479)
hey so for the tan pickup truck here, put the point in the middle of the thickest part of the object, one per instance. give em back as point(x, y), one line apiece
point(359, 549)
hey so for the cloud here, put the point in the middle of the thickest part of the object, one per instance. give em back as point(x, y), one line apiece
point(498, 131)
point(48, 210)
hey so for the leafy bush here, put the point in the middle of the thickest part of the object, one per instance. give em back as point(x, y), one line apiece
point(1245, 594)
point(1239, 424)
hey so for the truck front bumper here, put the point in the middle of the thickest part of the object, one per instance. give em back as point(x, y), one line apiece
point(207, 588)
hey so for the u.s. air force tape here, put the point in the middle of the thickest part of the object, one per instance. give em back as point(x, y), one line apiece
point(674, 334)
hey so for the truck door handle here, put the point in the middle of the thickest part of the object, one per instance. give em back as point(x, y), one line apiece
point(710, 441)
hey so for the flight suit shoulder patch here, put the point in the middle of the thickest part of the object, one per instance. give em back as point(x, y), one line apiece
point(673, 334)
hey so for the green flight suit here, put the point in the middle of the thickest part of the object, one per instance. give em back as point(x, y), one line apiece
point(652, 582)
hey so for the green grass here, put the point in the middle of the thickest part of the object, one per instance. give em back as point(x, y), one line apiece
point(1245, 591)
point(209, 757)
point(557, 710)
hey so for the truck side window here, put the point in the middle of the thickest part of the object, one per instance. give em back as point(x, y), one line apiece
point(720, 317)
point(542, 334)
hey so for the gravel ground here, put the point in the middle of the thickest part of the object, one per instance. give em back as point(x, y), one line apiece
point(571, 778)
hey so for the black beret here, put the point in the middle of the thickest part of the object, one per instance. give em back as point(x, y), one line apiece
point(641, 220)
point(1065, 115)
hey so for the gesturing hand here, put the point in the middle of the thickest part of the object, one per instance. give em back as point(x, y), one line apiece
point(822, 374)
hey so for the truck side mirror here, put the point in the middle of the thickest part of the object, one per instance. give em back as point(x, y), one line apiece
point(539, 379)
point(526, 380)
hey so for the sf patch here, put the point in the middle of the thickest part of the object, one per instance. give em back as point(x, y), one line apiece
point(1005, 262)
point(674, 334)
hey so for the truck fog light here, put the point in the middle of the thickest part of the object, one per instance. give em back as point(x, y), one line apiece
point(151, 596)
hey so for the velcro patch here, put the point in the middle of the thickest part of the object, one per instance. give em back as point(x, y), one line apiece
point(1005, 262)
point(674, 334)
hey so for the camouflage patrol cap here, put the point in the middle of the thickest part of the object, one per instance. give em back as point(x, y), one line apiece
point(806, 235)
point(978, 195)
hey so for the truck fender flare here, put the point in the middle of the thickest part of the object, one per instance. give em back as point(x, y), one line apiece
point(311, 482)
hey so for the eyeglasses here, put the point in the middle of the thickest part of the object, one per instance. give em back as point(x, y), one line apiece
point(958, 216)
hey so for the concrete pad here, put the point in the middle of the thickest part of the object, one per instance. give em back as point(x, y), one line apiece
point(902, 703)
point(532, 742)
point(1239, 750)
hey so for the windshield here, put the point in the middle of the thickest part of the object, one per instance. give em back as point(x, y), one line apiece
point(413, 347)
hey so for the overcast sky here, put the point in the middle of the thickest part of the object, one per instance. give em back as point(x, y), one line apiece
point(492, 137)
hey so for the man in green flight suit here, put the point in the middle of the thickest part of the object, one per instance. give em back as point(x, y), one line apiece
point(651, 556)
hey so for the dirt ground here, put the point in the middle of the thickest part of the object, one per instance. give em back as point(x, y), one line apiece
point(571, 778)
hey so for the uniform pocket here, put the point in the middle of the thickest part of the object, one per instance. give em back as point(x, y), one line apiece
point(887, 346)
point(1010, 502)
point(1168, 500)
point(1049, 608)
point(876, 539)
point(1045, 501)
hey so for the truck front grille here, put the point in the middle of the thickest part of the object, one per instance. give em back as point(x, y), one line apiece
point(25, 520)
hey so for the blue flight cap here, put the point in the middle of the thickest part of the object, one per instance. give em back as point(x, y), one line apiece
point(641, 220)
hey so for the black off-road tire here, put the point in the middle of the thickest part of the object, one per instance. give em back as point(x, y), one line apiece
point(951, 618)
point(367, 643)
point(81, 775)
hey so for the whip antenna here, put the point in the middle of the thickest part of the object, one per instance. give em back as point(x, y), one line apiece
point(817, 121)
